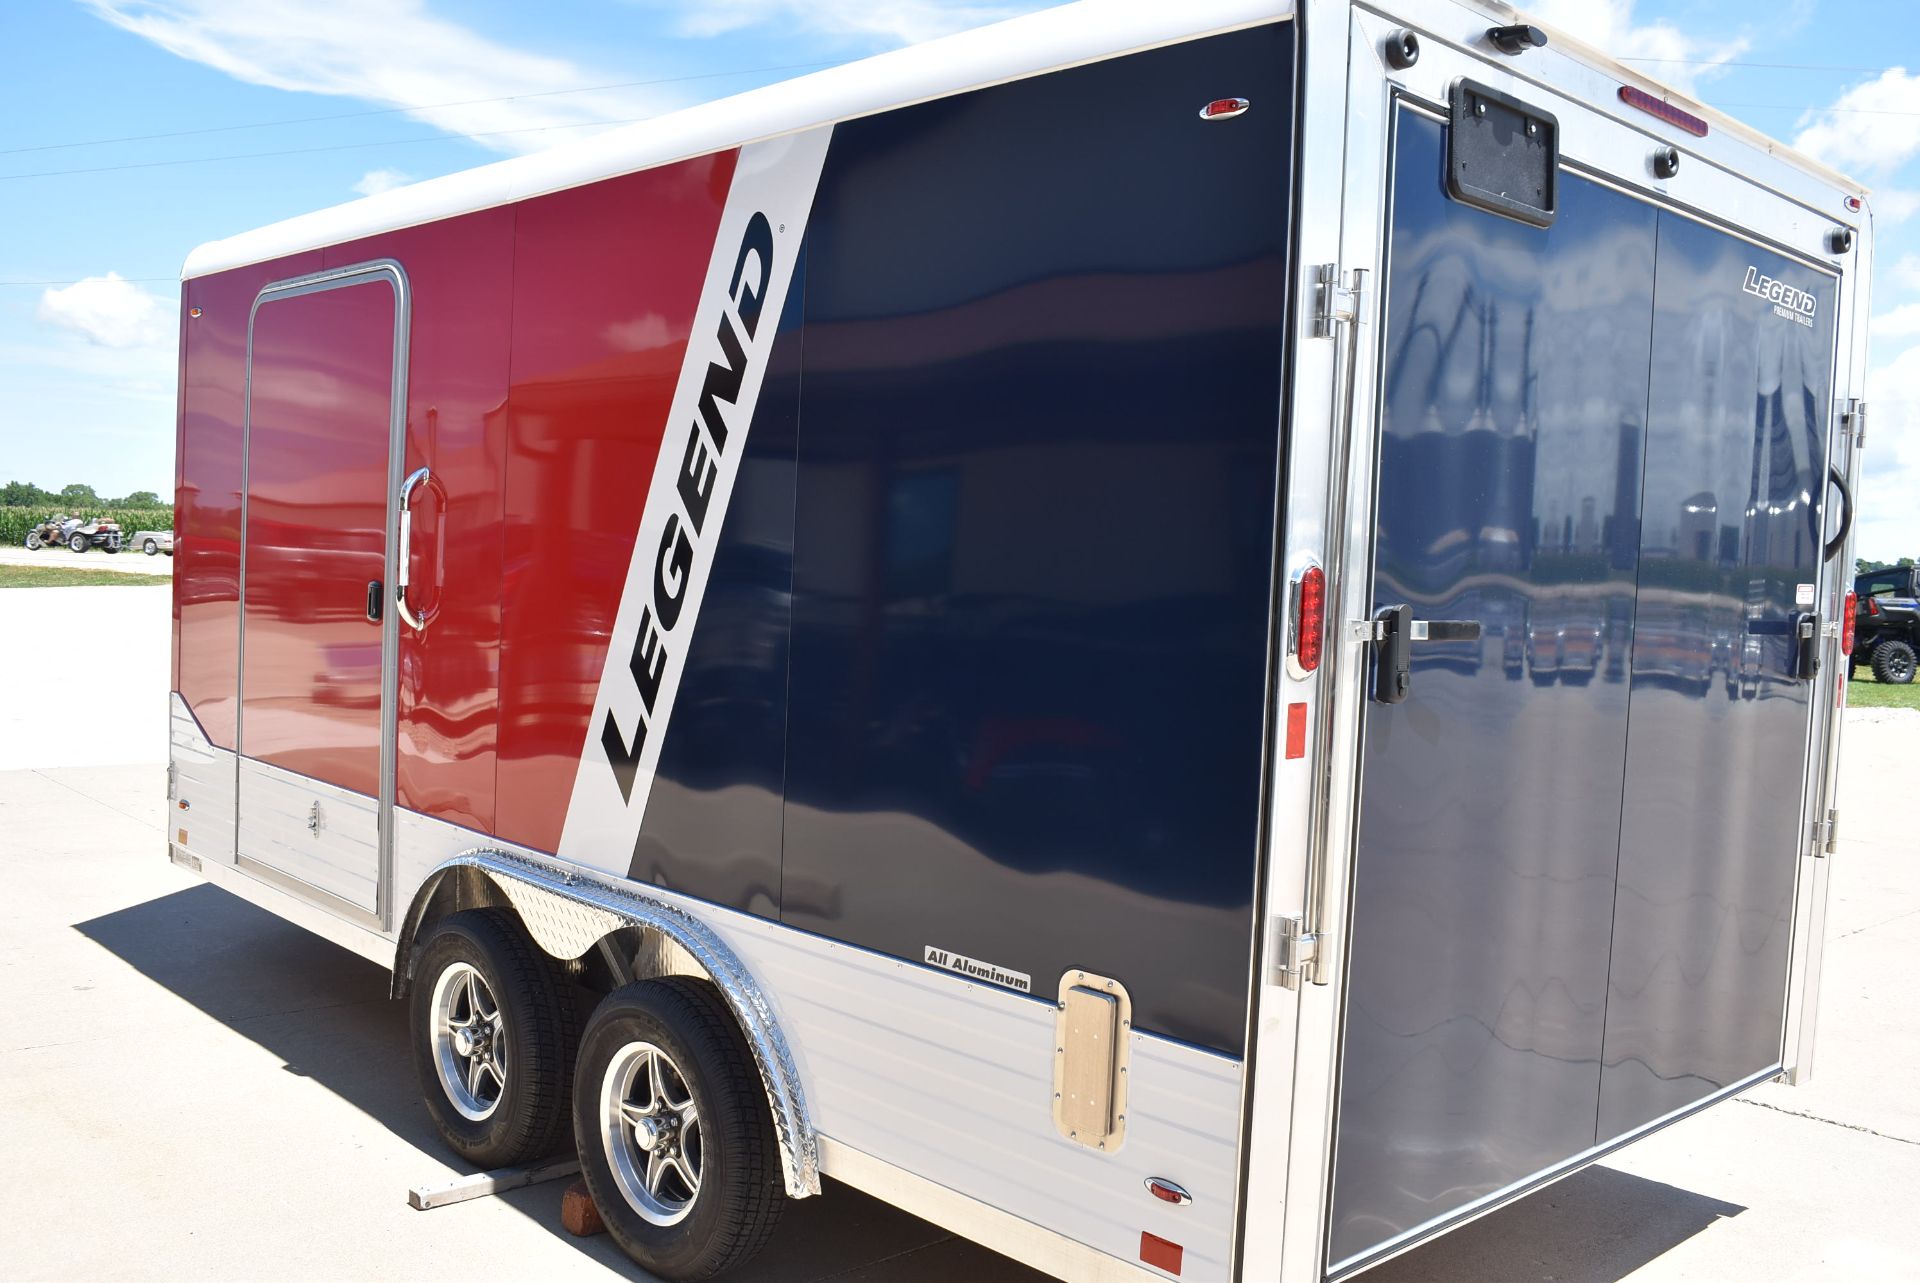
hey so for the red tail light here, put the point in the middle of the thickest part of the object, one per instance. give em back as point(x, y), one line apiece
point(1873, 607)
point(1846, 622)
point(1310, 618)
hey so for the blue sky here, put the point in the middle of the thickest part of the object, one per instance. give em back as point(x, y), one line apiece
point(89, 260)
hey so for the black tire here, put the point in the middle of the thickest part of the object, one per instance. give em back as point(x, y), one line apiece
point(1893, 662)
point(33, 541)
point(150, 548)
point(740, 1191)
point(535, 1003)
point(79, 543)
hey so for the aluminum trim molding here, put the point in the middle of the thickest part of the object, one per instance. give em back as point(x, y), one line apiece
point(568, 910)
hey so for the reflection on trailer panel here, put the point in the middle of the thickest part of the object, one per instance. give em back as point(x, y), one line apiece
point(941, 630)
point(1199, 688)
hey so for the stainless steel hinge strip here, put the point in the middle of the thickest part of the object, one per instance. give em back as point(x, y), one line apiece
point(1298, 950)
point(1336, 299)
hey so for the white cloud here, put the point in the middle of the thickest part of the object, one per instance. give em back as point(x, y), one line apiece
point(1901, 323)
point(393, 52)
point(1889, 521)
point(109, 311)
point(1892, 205)
point(1905, 271)
point(895, 21)
point(1871, 128)
point(375, 181)
point(1608, 25)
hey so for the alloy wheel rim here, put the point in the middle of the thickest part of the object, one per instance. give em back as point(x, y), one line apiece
point(651, 1131)
point(469, 1042)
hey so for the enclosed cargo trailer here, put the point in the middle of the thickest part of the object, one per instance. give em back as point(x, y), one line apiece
point(1195, 642)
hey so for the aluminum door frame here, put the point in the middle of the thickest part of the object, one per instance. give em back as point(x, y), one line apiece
point(390, 271)
point(1345, 177)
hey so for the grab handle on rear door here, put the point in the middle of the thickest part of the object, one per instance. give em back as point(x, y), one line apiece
point(405, 569)
point(1839, 541)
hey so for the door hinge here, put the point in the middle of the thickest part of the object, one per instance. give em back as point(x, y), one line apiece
point(1298, 948)
point(1336, 299)
point(316, 820)
point(1854, 418)
point(1826, 834)
point(173, 781)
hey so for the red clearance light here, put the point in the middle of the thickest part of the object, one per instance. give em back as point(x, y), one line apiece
point(1664, 110)
point(1310, 618)
point(1224, 108)
point(1854, 204)
point(1846, 623)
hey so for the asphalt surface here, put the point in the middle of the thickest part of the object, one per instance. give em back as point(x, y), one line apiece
point(192, 1088)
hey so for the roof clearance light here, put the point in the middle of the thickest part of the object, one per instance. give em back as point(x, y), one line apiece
point(1224, 109)
point(1664, 110)
point(1855, 204)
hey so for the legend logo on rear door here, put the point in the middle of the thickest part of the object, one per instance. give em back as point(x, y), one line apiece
point(1794, 304)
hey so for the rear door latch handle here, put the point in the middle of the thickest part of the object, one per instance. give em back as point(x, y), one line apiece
point(1394, 632)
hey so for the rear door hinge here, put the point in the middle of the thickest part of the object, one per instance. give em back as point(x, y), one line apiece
point(1298, 950)
point(1854, 417)
point(1826, 834)
point(1336, 299)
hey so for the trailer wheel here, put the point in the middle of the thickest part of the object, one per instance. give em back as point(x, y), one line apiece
point(1893, 663)
point(676, 1142)
point(79, 543)
point(494, 1024)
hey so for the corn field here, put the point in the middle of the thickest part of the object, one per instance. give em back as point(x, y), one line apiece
point(15, 522)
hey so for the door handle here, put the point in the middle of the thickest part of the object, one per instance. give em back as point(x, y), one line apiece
point(1394, 632)
point(404, 577)
point(1839, 540)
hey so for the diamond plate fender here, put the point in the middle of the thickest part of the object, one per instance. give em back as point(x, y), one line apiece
point(567, 910)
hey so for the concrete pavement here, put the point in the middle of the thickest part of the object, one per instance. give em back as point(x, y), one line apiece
point(85, 674)
point(130, 562)
point(190, 1087)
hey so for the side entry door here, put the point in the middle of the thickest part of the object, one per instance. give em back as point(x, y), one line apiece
point(1601, 466)
point(326, 376)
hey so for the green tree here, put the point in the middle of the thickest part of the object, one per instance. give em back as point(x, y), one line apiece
point(78, 495)
point(140, 499)
point(24, 494)
point(1905, 563)
point(1864, 566)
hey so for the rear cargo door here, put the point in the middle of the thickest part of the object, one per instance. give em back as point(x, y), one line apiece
point(326, 363)
point(1600, 474)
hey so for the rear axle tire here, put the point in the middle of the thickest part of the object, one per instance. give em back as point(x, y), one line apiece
point(79, 543)
point(493, 1027)
point(676, 1141)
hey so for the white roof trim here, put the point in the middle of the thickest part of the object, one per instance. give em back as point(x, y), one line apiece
point(1052, 38)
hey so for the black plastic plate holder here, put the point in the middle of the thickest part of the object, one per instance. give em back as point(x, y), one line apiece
point(1503, 155)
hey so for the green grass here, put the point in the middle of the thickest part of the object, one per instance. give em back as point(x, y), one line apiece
point(73, 577)
point(1864, 692)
